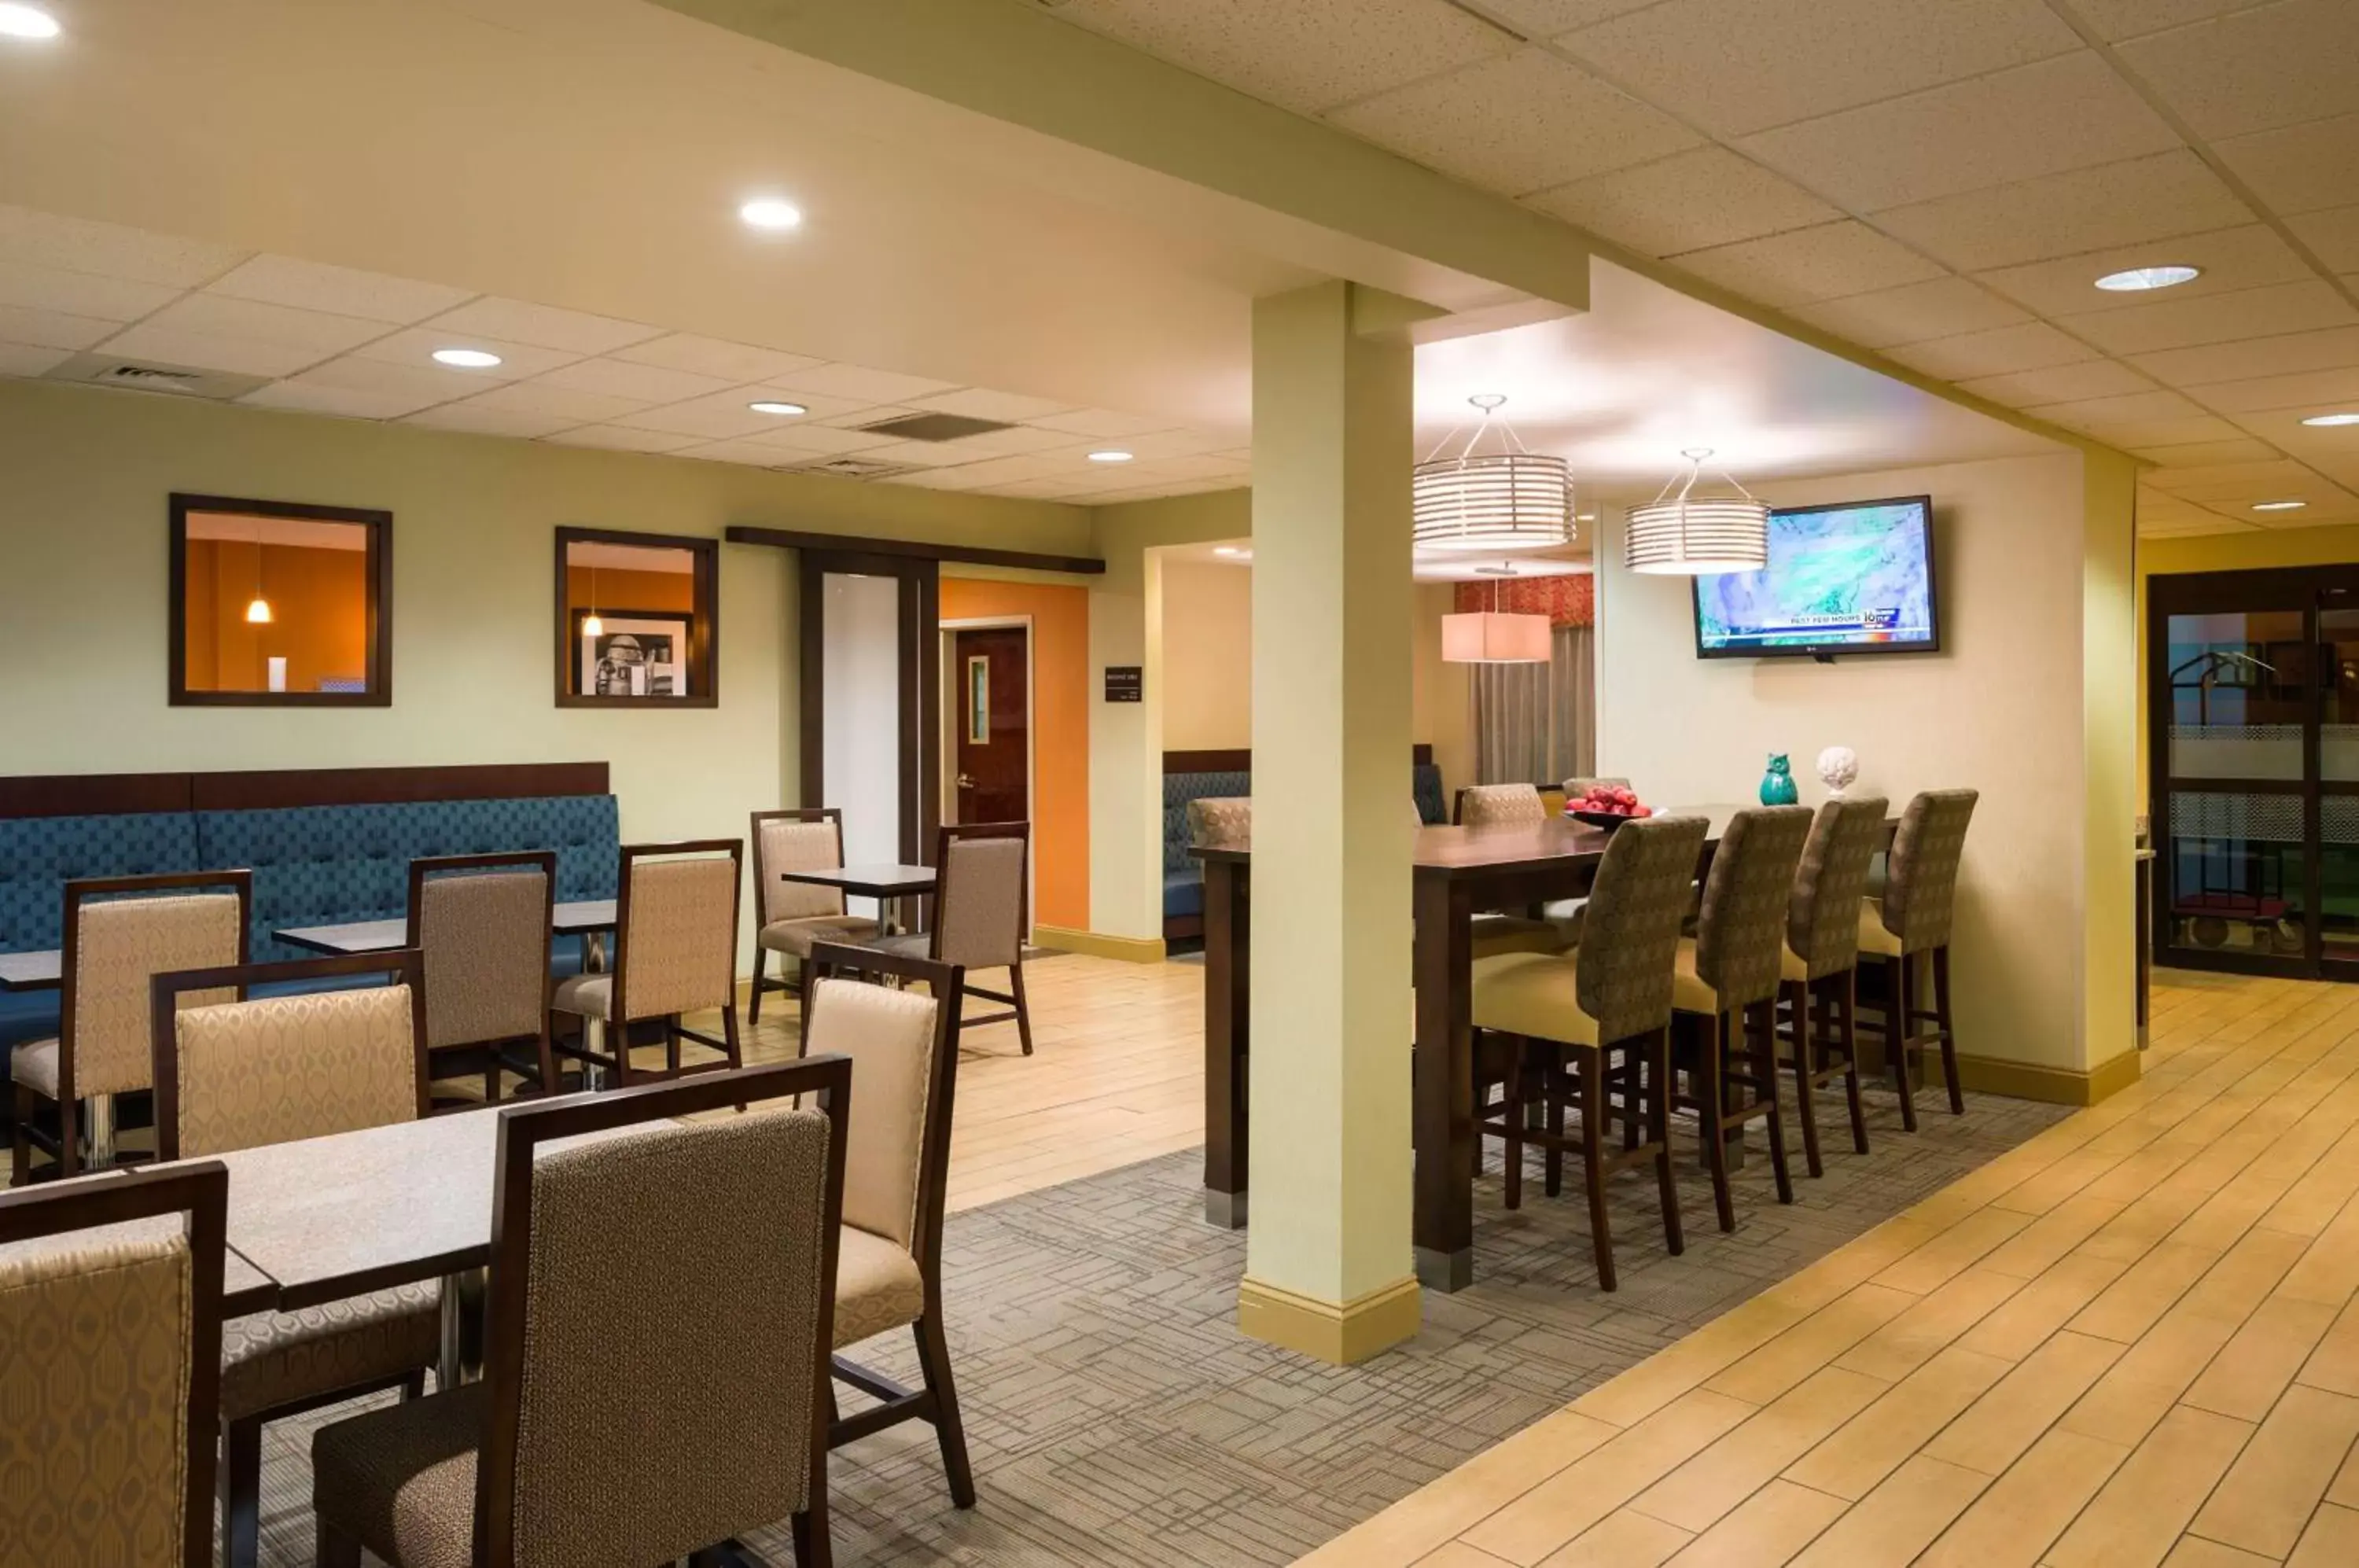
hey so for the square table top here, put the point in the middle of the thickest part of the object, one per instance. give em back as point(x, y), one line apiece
point(869, 881)
point(41, 971)
point(244, 1288)
point(570, 918)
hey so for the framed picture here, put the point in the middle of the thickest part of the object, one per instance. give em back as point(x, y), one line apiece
point(633, 653)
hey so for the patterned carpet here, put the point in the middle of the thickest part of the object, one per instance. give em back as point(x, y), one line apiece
point(1115, 1416)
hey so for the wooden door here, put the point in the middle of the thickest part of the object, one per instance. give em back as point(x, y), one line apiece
point(993, 753)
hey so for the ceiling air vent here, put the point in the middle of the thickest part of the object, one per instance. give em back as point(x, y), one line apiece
point(934, 427)
point(181, 380)
point(856, 468)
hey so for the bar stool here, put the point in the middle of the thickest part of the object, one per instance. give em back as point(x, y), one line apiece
point(1822, 957)
point(1613, 994)
point(1912, 918)
point(1727, 983)
point(1511, 805)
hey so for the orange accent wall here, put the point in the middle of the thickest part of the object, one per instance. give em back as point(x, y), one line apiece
point(1060, 738)
point(319, 608)
point(629, 590)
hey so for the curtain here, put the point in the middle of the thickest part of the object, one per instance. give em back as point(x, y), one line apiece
point(1536, 724)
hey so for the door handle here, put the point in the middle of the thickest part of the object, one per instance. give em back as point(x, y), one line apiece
point(966, 781)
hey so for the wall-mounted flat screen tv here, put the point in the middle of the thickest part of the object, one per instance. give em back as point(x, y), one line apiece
point(1855, 578)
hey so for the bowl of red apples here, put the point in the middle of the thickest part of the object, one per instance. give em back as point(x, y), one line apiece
point(1607, 806)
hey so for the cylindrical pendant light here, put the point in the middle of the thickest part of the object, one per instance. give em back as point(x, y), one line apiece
point(1697, 535)
point(1510, 499)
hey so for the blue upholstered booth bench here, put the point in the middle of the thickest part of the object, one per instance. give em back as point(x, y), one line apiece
point(1211, 775)
point(325, 845)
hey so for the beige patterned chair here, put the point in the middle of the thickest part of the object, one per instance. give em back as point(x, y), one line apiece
point(981, 910)
point(1560, 1020)
point(1818, 981)
point(1578, 786)
point(620, 1423)
point(675, 952)
point(1913, 921)
point(1511, 805)
point(485, 923)
point(1725, 986)
point(119, 932)
point(109, 1369)
point(795, 915)
point(1500, 805)
point(904, 1051)
point(236, 1075)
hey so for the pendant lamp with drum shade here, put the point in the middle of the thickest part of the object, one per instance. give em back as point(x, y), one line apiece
point(1697, 535)
point(1487, 637)
point(1504, 500)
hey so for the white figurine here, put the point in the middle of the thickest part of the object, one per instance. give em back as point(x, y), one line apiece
point(1838, 769)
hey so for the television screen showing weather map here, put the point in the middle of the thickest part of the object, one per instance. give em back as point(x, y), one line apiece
point(1855, 579)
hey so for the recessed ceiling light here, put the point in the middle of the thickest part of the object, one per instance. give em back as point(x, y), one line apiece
point(466, 358)
point(2330, 420)
point(768, 406)
point(1111, 454)
point(1230, 550)
point(2279, 506)
point(774, 212)
point(2138, 280)
point(1584, 517)
point(27, 22)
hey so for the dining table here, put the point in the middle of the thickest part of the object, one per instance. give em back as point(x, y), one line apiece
point(589, 919)
point(890, 885)
point(42, 969)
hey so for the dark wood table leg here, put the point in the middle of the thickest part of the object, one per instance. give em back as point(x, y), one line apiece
point(1228, 998)
point(1443, 1115)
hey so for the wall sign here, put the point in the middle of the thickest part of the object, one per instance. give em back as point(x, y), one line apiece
point(1126, 683)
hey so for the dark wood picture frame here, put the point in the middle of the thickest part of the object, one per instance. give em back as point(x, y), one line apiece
point(376, 662)
point(703, 662)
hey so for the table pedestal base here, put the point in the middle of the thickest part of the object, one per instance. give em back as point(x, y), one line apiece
point(1224, 1211)
point(98, 1125)
point(1445, 1270)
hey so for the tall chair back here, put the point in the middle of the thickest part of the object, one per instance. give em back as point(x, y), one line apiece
point(796, 839)
point(677, 921)
point(238, 1075)
point(1497, 805)
point(984, 907)
point(1635, 905)
point(903, 1045)
point(1578, 786)
point(1743, 926)
point(110, 1365)
point(483, 922)
point(1822, 915)
point(116, 944)
point(724, 1406)
point(1215, 821)
point(1920, 896)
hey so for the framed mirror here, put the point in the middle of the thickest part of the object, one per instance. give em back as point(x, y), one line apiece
point(278, 603)
point(637, 619)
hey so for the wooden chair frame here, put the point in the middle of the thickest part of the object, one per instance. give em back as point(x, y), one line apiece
point(946, 835)
point(1903, 1010)
point(617, 1051)
point(65, 1149)
point(937, 1401)
point(201, 1192)
point(487, 1054)
point(762, 982)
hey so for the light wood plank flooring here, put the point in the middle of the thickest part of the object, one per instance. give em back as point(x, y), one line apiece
point(2133, 1340)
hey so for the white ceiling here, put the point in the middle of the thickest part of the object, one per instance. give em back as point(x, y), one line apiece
point(1937, 179)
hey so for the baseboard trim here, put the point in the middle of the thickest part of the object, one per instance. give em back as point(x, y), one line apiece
point(1338, 1335)
point(1128, 949)
point(2055, 1085)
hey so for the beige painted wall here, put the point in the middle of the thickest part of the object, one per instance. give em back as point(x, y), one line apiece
point(2001, 709)
point(1207, 657)
point(83, 574)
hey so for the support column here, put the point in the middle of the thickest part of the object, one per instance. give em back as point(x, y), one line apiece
point(1328, 1267)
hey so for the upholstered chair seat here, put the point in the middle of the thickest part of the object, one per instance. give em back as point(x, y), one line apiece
point(795, 937)
point(1533, 993)
point(878, 1287)
point(36, 1067)
point(406, 1476)
point(585, 996)
point(270, 1359)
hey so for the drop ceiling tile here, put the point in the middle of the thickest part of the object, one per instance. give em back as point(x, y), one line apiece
point(1102, 422)
point(2320, 514)
point(2302, 168)
point(2110, 413)
point(2329, 348)
point(2003, 350)
point(716, 357)
point(720, 416)
point(480, 421)
point(1546, 18)
point(1031, 465)
point(2332, 235)
point(2060, 384)
point(208, 351)
point(858, 384)
point(2199, 483)
point(1308, 55)
point(873, 413)
point(2068, 112)
point(621, 438)
point(2256, 70)
point(1740, 66)
point(221, 316)
point(337, 290)
point(110, 250)
point(2117, 19)
point(961, 478)
point(920, 453)
point(2145, 199)
point(979, 403)
point(52, 328)
point(27, 359)
point(30, 287)
point(2191, 529)
point(427, 383)
point(311, 397)
point(639, 384)
point(1807, 265)
point(544, 398)
point(1706, 196)
point(751, 453)
point(1943, 307)
point(2338, 388)
point(2232, 259)
point(543, 326)
point(1525, 122)
point(416, 346)
point(2139, 434)
point(803, 440)
point(1011, 441)
point(2198, 453)
point(2217, 318)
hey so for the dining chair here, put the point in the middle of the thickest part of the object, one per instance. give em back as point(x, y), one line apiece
point(675, 952)
point(119, 932)
point(794, 915)
point(485, 923)
point(981, 910)
point(904, 1050)
point(1500, 805)
point(1818, 981)
point(1218, 820)
point(1912, 920)
point(110, 1369)
point(1495, 931)
point(1725, 988)
point(275, 1068)
point(656, 1356)
point(1579, 785)
point(1577, 1010)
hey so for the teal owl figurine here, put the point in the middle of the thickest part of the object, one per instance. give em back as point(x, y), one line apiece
point(1778, 784)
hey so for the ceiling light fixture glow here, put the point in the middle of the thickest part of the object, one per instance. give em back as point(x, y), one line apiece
point(768, 406)
point(771, 213)
point(2279, 506)
point(1509, 499)
point(466, 358)
point(2332, 422)
point(1235, 552)
point(27, 22)
point(2138, 280)
point(1112, 454)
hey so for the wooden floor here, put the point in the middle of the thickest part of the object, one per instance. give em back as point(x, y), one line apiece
point(2133, 1340)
